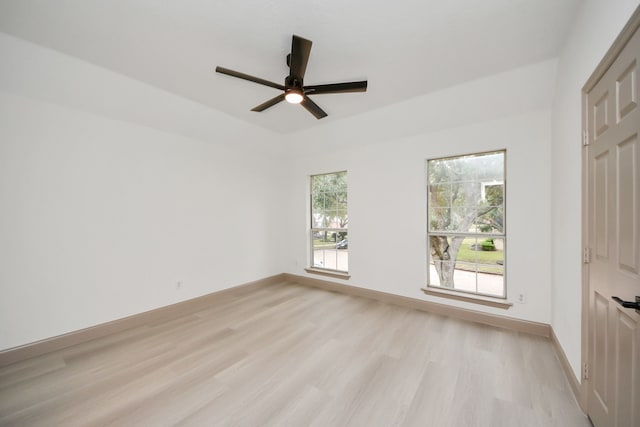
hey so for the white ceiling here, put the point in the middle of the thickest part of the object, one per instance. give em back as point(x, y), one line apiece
point(404, 48)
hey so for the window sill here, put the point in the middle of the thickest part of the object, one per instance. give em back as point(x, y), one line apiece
point(475, 299)
point(329, 273)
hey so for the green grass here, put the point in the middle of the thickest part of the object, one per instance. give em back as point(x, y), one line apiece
point(485, 259)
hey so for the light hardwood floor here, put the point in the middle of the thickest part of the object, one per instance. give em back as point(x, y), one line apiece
point(289, 355)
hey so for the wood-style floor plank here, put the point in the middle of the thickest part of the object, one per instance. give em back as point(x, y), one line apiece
point(289, 355)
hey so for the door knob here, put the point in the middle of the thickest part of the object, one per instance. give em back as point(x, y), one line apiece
point(629, 304)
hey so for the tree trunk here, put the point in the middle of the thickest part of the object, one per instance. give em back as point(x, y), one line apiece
point(445, 253)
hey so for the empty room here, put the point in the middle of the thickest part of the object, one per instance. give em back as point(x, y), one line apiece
point(320, 213)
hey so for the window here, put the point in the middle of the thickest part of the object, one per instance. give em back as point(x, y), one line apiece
point(466, 228)
point(329, 221)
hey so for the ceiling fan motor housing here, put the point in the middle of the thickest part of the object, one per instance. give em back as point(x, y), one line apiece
point(292, 82)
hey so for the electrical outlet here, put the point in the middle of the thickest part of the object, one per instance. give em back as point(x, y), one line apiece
point(178, 285)
point(521, 299)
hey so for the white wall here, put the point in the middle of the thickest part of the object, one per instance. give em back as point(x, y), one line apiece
point(100, 217)
point(595, 28)
point(387, 188)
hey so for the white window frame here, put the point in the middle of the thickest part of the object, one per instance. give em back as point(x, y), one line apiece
point(477, 234)
point(313, 230)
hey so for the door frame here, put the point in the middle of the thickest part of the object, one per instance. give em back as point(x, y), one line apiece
point(612, 54)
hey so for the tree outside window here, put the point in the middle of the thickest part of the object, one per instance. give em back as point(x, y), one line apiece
point(466, 229)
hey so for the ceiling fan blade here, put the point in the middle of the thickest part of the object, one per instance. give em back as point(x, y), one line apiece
point(248, 77)
point(300, 50)
point(313, 108)
point(337, 88)
point(269, 103)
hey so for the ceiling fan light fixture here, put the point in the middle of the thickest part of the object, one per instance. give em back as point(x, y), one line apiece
point(294, 96)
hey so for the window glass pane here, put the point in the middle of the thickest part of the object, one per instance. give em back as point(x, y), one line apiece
point(342, 252)
point(478, 265)
point(442, 250)
point(488, 167)
point(317, 206)
point(330, 204)
point(317, 220)
point(341, 209)
point(440, 195)
point(331, 250)
point(439, 219)
point(492, 193)
point(462, 218)
point(491, 283)
point(490, 221)
point(465, 277)
point(470, 186)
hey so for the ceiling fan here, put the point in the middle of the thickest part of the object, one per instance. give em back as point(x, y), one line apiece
point(293, 90)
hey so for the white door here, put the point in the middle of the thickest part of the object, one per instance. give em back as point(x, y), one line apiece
point(613, 194)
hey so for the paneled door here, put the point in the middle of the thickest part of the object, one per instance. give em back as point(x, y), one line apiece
point(613, 195)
